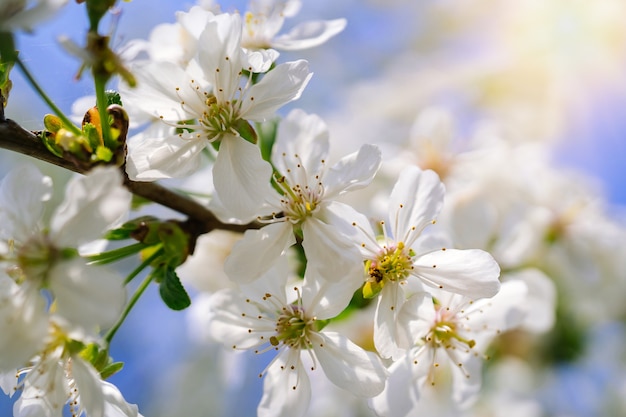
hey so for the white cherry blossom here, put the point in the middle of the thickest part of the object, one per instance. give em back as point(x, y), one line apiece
point(266, 316)
point(447, 330)
point(60, 376)
point(44, 257)
point(14, 14)
point(217, 108)
point(306, 205)
point(415, 202)
point(264, 20)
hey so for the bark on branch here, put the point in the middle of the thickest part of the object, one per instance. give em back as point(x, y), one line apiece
point(15, 138)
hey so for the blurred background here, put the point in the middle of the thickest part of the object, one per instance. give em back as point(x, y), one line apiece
point(534, 71)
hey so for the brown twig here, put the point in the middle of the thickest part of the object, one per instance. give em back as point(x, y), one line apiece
point(15, 138)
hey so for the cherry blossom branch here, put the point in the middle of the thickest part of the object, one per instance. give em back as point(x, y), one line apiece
point(15, 138)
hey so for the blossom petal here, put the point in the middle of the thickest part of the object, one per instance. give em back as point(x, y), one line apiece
point(158, 153)
point(353, 171)
point(219, 54)
point(309, 34)
point(349, 366)
point(114, 403)
point(325, 299)
point(28, 18)
point(89, 387)
point(414, 203)
point(161, 88)
point(472, 272)
point(402, 391)
point(259, 249)
point(390, 301)
point(467, 380)
point(230, 320)
point(21, 208)
point(329, 254)
point(23, 323)
point(540, 300)
point(85, 295)
point(302, 141)
point(92, 205)
point(278, 87)
point(45, 389)
point(286, 390)
point(506, 310)
point(362, 233)
point(259, 60)
point(415, 319)
point(242, 178)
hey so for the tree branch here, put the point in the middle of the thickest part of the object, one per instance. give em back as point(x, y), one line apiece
point(15, 138)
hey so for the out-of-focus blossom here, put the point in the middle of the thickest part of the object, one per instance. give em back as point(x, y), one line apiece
point(265, 18)
point(25, 15)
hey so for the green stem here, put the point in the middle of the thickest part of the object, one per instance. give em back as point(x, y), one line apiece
point(67, 123)
point(133, 300)
point(143, 265)
point(101, 103)
point(116, 254)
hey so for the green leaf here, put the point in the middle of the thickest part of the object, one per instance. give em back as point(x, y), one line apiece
point(172, 291)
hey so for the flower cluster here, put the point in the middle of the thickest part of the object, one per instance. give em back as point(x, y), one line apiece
point(384, 282)
point(52, 302)
point(210, 99)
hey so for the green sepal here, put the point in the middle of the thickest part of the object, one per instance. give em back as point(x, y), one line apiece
point(48, 140)
point(267, 137)
point(90, 131)
point(175, 243)
point(52, 123)
point(171, 290)
point(127, 230)
point(245, 130)
point(100, 360)
point(68, 253)
point(74, 346)
point(111, 369)
point(372, 289)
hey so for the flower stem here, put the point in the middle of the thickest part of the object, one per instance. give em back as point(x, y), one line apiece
point(116, 254)
point(143, 265)
point(67, 123)
point(133, 300)
point(101, 103)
